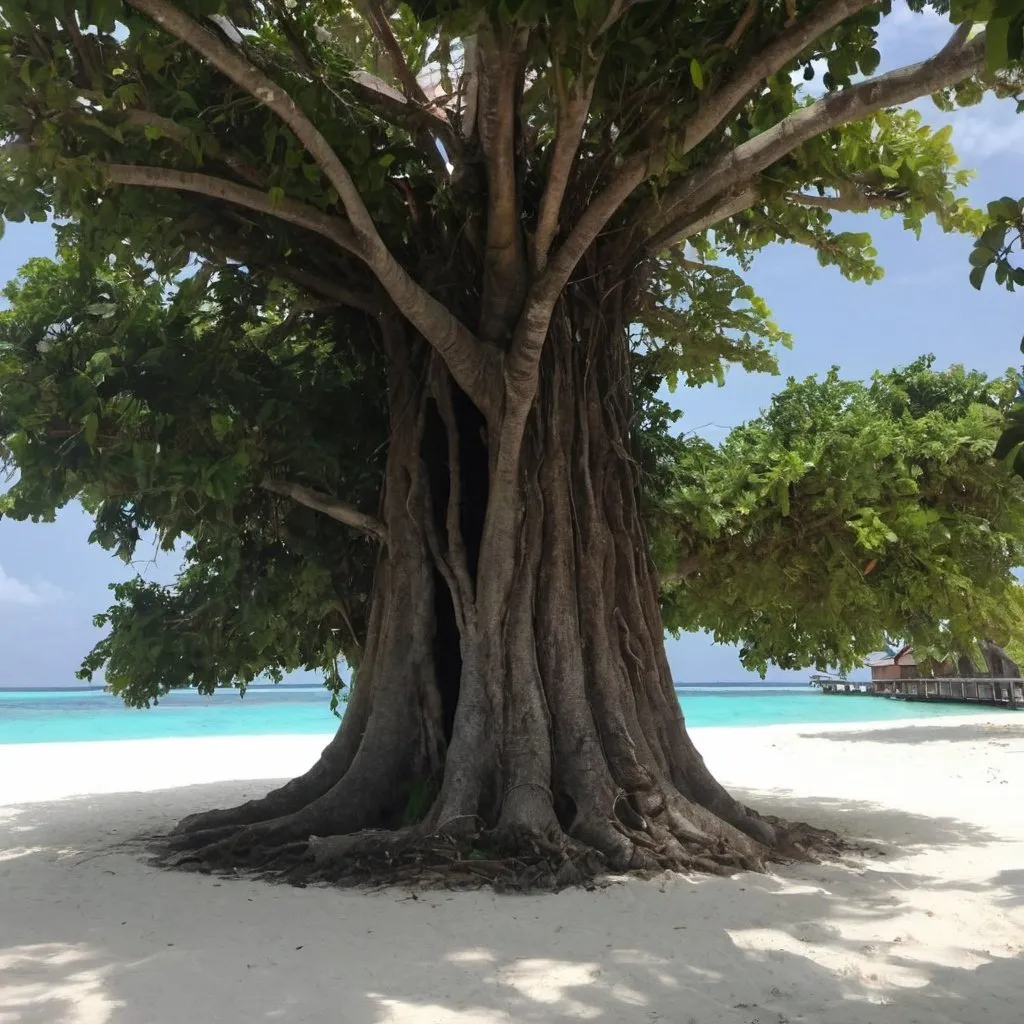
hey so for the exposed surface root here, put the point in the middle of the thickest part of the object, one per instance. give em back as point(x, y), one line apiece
point(506, 861)
point(797, 841)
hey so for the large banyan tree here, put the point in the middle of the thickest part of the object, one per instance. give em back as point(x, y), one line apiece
point(372, 303)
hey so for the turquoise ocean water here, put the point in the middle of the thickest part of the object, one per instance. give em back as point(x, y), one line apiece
point(62, 716)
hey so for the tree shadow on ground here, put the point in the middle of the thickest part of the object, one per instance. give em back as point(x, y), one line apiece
point(1013, 882)
point(881, 828)
point(91, 934)
point(913, 734)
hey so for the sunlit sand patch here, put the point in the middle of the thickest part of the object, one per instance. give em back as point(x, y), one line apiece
point(397, 1011)
point(54, 984)
point(15, 852)
point(471, 956)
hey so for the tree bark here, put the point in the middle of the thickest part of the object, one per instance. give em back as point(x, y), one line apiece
point(514, 716)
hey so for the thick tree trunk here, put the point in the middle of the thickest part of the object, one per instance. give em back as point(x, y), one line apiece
point(514, 714)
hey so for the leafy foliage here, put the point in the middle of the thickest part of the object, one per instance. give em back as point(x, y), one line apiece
point(1000, 245)
point(162, 407)
point(847, 516)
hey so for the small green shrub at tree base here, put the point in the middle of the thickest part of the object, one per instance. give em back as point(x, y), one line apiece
point(367, 305)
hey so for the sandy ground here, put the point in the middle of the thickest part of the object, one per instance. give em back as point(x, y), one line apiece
point(931, 929)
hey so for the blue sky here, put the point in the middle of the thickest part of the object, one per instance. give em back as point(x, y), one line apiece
point(52, 581)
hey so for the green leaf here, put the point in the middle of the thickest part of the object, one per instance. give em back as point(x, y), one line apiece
point(997, 43)
point(1005, 209)
point(90, 428)
point(221, 424)
point(869, 61)
point(981, 256)
point(696, 73)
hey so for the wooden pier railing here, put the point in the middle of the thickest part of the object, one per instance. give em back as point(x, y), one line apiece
point(1004, 693)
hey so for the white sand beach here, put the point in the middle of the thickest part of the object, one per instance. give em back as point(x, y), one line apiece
point(928, 929)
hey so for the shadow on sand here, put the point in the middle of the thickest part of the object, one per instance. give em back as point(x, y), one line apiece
point(90, 934)
point(915, 734)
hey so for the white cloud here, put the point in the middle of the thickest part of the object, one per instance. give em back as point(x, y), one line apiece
point(27, 595)
point(986, 131)
point(906, 36)
point(903, 20)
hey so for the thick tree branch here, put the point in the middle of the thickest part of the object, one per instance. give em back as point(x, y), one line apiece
point(320, 502)
point(300, 214)
point(82, 48)
point(745, 21)
point(499, 72)
point(957, 39)
point(471, 363)
point(848, 201)
point(469, 88)
point(232, 63)
point(137, 118)
point(796, 38)
point(540, 302)
point(742, 164)
point(572, 118)
point(376, 17)
point(364, 301)
point(702, 220)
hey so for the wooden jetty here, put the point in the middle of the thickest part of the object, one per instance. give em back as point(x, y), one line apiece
point(899, 677)
point(829, 684)
point(1000, 693)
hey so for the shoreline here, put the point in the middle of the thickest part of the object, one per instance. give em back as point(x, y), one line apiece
point(928, 927)
point(29, 772)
